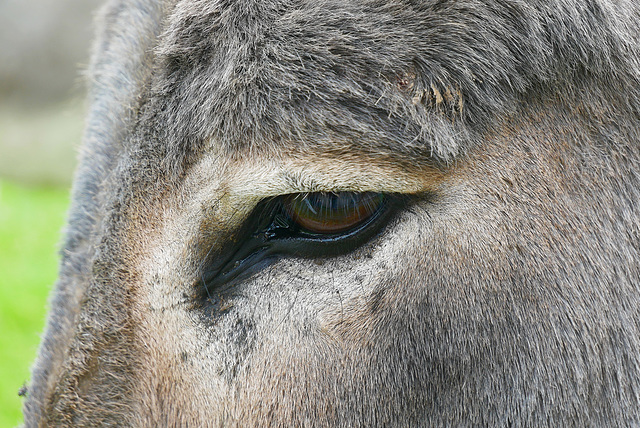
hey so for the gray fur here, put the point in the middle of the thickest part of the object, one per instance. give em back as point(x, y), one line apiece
point(510, 296)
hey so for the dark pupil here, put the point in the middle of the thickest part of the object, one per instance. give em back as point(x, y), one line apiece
point(332, 212)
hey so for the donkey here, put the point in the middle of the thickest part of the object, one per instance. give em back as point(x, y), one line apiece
point(352, 213)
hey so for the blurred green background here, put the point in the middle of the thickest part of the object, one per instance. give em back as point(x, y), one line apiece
point(44, 49)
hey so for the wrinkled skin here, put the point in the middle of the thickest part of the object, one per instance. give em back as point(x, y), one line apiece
point(503, 291)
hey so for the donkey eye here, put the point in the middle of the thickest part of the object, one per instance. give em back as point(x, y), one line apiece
point(331, 213)
point(308, 225)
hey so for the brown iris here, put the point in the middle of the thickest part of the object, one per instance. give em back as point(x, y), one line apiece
point(330, 213)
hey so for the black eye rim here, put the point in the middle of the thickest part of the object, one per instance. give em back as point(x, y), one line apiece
point(268, 235)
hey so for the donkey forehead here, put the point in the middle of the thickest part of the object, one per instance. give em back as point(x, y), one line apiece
point(273, 74)
point(265, 81)
point(411, 78)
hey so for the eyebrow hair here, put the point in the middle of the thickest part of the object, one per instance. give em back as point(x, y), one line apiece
point(264, 177)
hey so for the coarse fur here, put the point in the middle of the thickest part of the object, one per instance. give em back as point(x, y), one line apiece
point(506, 293)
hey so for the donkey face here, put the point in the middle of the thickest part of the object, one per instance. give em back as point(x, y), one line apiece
point(353, 214)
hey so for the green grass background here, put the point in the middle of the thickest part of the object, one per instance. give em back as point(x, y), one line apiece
point(31, 219)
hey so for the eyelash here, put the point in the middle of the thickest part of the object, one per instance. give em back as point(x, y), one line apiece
point(324, 215)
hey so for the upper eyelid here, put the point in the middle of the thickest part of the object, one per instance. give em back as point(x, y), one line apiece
point(265, 178)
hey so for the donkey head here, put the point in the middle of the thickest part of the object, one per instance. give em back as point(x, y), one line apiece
point(363, 213)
